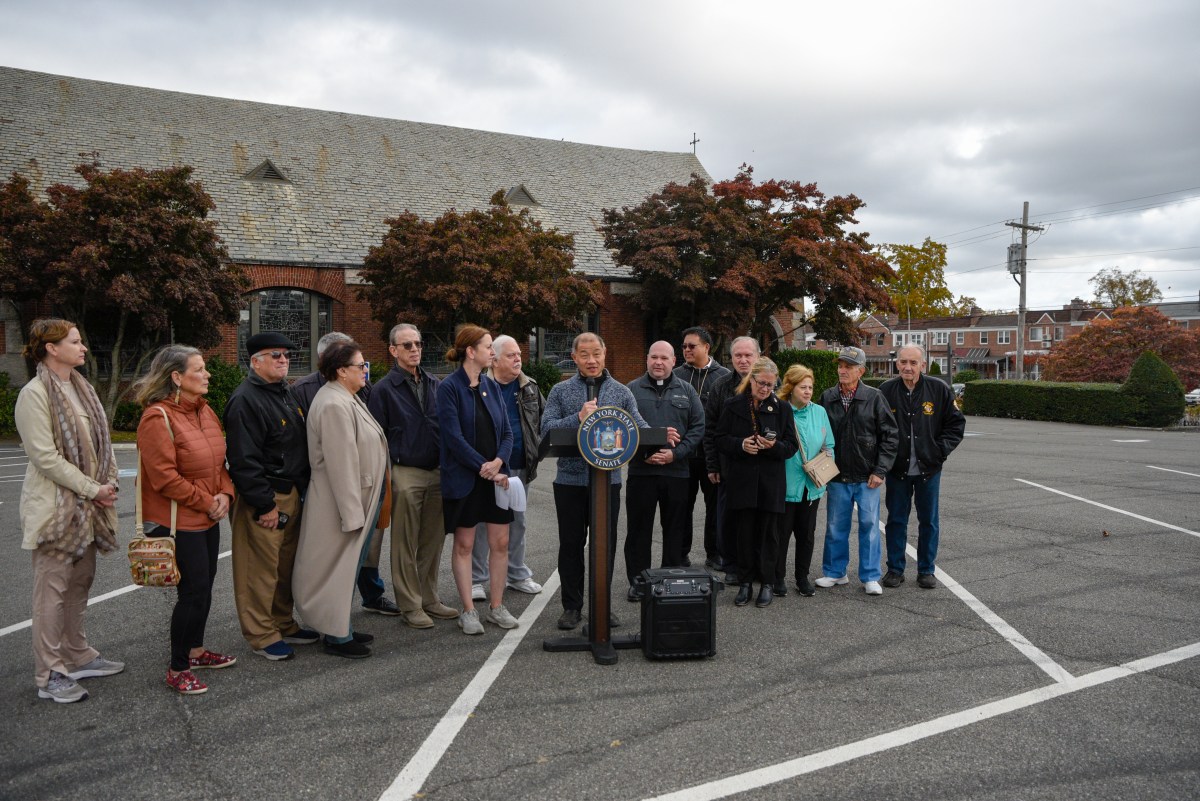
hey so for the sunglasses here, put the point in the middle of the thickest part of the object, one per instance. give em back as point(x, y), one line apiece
point(366, 366)
point(414, 345)
point(690, 345)
point(274, 354)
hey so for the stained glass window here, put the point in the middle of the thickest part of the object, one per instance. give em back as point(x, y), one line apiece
point(301, 316)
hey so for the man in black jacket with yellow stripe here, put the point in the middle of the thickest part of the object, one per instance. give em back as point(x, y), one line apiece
point(930, 428)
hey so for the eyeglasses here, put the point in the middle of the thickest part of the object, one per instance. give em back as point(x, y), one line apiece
point(274, 354)
point(416, 344)
point(765, 384)
point(690, 345)
point(366, 366)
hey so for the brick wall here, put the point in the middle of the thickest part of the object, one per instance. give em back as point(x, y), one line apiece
point(623, 328)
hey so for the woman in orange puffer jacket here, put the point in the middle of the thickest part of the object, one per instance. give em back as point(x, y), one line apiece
point(182, 450)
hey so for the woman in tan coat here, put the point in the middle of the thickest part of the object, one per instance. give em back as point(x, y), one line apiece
point(68, 505)
point(348, 454)
point(186, 493)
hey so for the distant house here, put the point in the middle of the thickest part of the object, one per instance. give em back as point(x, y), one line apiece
point(301, 195)
point(979, 341)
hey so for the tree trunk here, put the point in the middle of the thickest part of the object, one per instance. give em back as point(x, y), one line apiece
point(111, 393)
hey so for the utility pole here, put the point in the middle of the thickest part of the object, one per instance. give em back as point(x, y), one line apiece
point(1020, 268)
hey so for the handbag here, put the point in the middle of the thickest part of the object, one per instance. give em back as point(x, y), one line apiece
point(821, 469)
point(152, 559)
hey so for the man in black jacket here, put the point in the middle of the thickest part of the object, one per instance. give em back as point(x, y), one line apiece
point(930, 428)
point(701, 371)
point(267, 450)
point(864, 437)
point(742, 353)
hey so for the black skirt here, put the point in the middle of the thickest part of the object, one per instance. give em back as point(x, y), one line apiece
point(478, 507)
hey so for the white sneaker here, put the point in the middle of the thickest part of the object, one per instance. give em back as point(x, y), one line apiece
point(525, 585)
point(96, 668)
point(478, 593)
point(830, 581)
point(469, 622)
point(872, 588)
point(62, 689)
point(501, 617)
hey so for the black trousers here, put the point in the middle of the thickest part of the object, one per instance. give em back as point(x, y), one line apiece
point(644, 494)
point(573, 506)
point(757, 535)
point(196, 555)
point(698, 483)
point(800, 522)
point(726, 533)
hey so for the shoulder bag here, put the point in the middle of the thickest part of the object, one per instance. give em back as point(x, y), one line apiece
point(152, 559)
point(821, 469)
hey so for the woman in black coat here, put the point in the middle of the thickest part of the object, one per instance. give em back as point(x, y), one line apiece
point(756, 436)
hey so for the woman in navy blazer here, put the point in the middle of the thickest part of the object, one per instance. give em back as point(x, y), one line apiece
point(475, 446)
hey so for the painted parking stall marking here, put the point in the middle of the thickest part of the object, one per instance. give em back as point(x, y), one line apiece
point(1110, 508)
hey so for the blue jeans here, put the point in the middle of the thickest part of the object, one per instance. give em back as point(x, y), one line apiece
point(839, 518)
point(900, 495)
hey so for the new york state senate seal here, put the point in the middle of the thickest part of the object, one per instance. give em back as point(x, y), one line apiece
point(608, 438)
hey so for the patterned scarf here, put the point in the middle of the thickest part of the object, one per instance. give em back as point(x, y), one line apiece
point(77, 521)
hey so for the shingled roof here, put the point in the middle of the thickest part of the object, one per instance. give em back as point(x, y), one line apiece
point(332, 179)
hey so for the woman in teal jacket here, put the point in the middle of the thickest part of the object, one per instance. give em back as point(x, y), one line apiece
point(803, 497)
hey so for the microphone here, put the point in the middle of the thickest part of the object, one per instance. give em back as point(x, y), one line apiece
point(591, 388)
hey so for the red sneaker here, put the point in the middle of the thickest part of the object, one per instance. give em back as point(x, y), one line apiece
point(211, 661)
point(186, 683)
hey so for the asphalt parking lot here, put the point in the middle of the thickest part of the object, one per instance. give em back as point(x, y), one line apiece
point(1057, 659)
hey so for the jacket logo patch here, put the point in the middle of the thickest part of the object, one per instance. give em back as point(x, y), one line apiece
point(927, 406)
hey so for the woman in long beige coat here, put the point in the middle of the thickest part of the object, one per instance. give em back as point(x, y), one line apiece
point(348, 454)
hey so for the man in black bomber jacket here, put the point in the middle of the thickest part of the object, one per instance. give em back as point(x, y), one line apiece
point(930, 428)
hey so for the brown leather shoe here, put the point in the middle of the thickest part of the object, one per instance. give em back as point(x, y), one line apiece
point(417, 619)
point(440, 610)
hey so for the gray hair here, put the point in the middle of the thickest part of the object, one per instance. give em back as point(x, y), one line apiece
point(751, 340)
point(920, 348)
point(397, 328)
point(503, 341)
point(156, 384)
point(587, 335)
point(327, 340)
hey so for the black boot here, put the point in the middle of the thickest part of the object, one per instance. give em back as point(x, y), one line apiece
point(743, 596)
point(765, 596)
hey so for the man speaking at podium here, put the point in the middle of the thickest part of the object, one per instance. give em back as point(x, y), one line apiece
point(568, 403)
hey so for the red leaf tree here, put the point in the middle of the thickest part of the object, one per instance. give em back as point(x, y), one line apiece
point(130, 257)
point(731, 258)
point(1105, 351)
point(493, 267)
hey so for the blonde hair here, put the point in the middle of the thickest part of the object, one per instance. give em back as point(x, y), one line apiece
point(792, 378)
point(156, 384)
point(761, 365)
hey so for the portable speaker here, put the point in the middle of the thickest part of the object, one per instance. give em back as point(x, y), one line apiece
point(679, 613)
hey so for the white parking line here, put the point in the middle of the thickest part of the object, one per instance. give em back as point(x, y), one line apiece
point(410, 780)
point(1111, 508)
point(24, 624)
point(1014, 637)
point(811, 763)
point(1169, 470)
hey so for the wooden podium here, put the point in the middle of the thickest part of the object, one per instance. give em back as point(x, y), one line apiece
point(596, 636)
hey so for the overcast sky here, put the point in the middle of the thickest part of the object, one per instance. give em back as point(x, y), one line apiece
point(942, 116)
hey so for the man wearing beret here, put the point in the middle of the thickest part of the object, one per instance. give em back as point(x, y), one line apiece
point(267, 449)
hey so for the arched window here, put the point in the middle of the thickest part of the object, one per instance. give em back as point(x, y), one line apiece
point(301, 316)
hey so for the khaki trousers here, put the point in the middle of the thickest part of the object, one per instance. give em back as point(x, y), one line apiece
point(262, 571)
point(60, 595)
point(418, 535)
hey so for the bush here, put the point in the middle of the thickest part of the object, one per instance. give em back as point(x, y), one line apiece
point(823, 363)
point(1154, 391)
point(1062, 402)
point(223, 380)
point(127, 416)
point(935, 369)
point(965, 376)
point(545, 373)
point(8, 405)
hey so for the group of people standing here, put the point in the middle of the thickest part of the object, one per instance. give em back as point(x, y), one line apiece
point(312, 475)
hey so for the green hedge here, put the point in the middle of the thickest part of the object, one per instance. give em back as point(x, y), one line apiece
point(8, 405)
point(1057, 401)
point(823, 363)
point(545, 373)
point(1152, 396)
